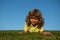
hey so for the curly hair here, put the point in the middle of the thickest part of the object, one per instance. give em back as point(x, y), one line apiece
point(35, 13)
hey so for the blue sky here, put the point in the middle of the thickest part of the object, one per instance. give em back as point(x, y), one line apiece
point(13, 13)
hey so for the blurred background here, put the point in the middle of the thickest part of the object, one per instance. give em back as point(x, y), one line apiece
point(13, 13)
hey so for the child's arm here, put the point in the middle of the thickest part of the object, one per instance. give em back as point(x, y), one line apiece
point(41, 30)
point(44, 33)
point(25, 28)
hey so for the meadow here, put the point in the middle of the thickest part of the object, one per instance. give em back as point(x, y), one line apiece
point(20, 35)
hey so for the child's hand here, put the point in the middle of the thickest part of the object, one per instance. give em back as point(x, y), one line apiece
point(47, 33)
point(20, 32)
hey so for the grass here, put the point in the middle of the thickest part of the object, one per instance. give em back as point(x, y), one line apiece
point(17, 35)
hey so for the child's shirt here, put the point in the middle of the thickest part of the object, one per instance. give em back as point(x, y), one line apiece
point(31, 28)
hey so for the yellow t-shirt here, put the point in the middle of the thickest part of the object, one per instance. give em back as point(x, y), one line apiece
point(31, 28)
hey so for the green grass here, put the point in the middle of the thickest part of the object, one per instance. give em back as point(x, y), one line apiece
point(16, 35)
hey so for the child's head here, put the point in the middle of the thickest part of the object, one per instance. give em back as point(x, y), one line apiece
point(34, 17)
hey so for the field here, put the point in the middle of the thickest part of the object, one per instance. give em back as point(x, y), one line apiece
point(17, 35)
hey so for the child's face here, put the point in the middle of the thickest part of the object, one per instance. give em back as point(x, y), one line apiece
point(33, 21)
